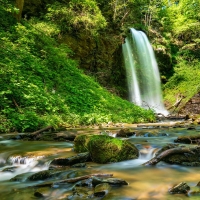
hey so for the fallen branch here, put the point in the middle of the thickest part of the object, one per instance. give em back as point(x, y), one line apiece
point(162, 155)
point(73, 180)
point(176, 104)
point(42, 130)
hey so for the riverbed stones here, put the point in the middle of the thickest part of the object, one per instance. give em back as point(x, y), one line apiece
point(105, 149)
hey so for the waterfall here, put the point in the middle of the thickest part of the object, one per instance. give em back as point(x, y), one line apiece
point(143, 76)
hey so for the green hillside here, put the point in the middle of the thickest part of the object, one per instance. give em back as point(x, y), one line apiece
point(41, 85)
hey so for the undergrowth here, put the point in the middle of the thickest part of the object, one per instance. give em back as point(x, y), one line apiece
point(41, 85)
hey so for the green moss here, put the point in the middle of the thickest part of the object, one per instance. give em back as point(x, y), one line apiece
point(104, 149)
point(81, 143)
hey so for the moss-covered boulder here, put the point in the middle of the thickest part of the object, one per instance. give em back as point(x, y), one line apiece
point(81, 143)
point(105, 149)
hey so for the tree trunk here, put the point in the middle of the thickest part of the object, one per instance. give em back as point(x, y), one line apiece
point(19, 5)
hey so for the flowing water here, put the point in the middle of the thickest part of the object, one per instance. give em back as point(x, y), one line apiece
point(145, 183)
point(142, 72)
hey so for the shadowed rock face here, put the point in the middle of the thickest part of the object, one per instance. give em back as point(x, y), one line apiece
point(193, 105)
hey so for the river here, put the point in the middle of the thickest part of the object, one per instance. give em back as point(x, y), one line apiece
point(28, 157)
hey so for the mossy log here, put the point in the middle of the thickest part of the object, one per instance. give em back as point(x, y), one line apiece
point(41, 130)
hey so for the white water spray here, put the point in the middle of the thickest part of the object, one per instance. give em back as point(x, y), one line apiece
point(142, 72)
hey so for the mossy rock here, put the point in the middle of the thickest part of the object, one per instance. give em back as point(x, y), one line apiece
point(194, 139)
point(105, 149)
point(81, 143)
point(125, 133)
point(186, 159)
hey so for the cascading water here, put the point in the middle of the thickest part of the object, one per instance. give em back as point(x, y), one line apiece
point(142, 72)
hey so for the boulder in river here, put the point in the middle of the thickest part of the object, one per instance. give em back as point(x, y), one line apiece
point(110, 181)
point(181, 188)
point(79, 158)
point(125, 132)
point(190, 139)
point(105, 149)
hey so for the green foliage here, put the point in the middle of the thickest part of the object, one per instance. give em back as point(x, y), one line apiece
point(184, 82)
point(177, 31)
point(77, 15)
point(40, 84)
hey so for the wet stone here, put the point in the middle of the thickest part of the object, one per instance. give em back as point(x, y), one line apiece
point(79, 165)
point(111, 181)
point(149, 135)
point(38, 195)
point(101, 190)
point(85, 183)
point(181, 188)
point(163, 134)
point(42, 175)
point(21, 177)
point(125, 133)
point(9, 169)
point(79, 158)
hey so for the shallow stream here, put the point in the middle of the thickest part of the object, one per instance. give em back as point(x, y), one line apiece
point(145, 183)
